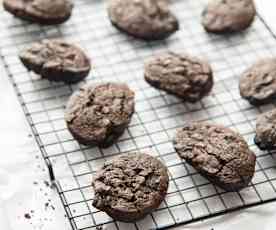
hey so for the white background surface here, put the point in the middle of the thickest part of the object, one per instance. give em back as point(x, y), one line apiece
point(21, 166)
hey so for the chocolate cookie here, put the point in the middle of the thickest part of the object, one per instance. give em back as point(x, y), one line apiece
point(145, 19)
point(266, 130)
point(98, 114)
point(224, 16)
point(258, 83)
point(48, 12)
point(217, 153)
point(179, 74)
point(56, 60)
point(130, 187)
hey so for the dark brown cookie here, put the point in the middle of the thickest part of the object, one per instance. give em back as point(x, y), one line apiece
point(98, 114)
point(258, 83)
point(130, 187)
point(266, 130)
point(224, 16)
point(181, 75)
point(48, 12)
point(217, 153)
point(145, 19)
point(56, 60)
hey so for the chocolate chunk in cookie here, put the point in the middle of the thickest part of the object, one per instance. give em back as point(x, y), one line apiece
point(99, 114)
point(48, 12)
point(266, 130)
point(130, 187)
point(258, 83)
point(217, 153)
point(224, 16)
point(145, 19)
point(184, 76)
point(56, 60)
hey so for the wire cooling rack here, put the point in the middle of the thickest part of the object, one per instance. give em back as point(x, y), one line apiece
point(117, 57)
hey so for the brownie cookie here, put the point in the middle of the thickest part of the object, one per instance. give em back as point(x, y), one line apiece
point(48, 12)
point(179, 74)
point(56, 60)
point(98, 114)
point(145, 19)
point(258, 83)
point(217, 153)
point(224, 16)
point(130, 187)
point(266, 130)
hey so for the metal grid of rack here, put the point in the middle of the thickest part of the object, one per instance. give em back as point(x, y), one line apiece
point(117, 57)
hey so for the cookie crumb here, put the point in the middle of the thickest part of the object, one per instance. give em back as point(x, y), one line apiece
point(47, 183)
point(27, 216)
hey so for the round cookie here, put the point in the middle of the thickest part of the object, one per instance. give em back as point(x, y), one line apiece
point(130, 186)
point(99, 114)
point(56, 60)
point(145, 19)
point(184, 76)
point(224, 16)
point(265, 137)
point(258, 83)
point(217, 153)
point(48, 12)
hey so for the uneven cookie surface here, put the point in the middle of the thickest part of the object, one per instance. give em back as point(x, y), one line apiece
point(179, 74)
point(258, 83)
point(266, 130)
point(40, 11)
point(145, 19)
point(130, 186)
point(98, 114)
point(218, 153)
point(56, 60)
point(224, 16)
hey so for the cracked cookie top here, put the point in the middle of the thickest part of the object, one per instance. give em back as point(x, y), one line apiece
point(182, 75)
point(130, 186)
point(258, 83)
point(40, 11)
point(96, 112)
point(146, 19)
point(56, 60)
point(224, 16)
point(218, 153)
point(266, 130)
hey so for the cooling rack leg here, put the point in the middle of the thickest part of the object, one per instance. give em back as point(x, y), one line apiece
point(51, 172)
